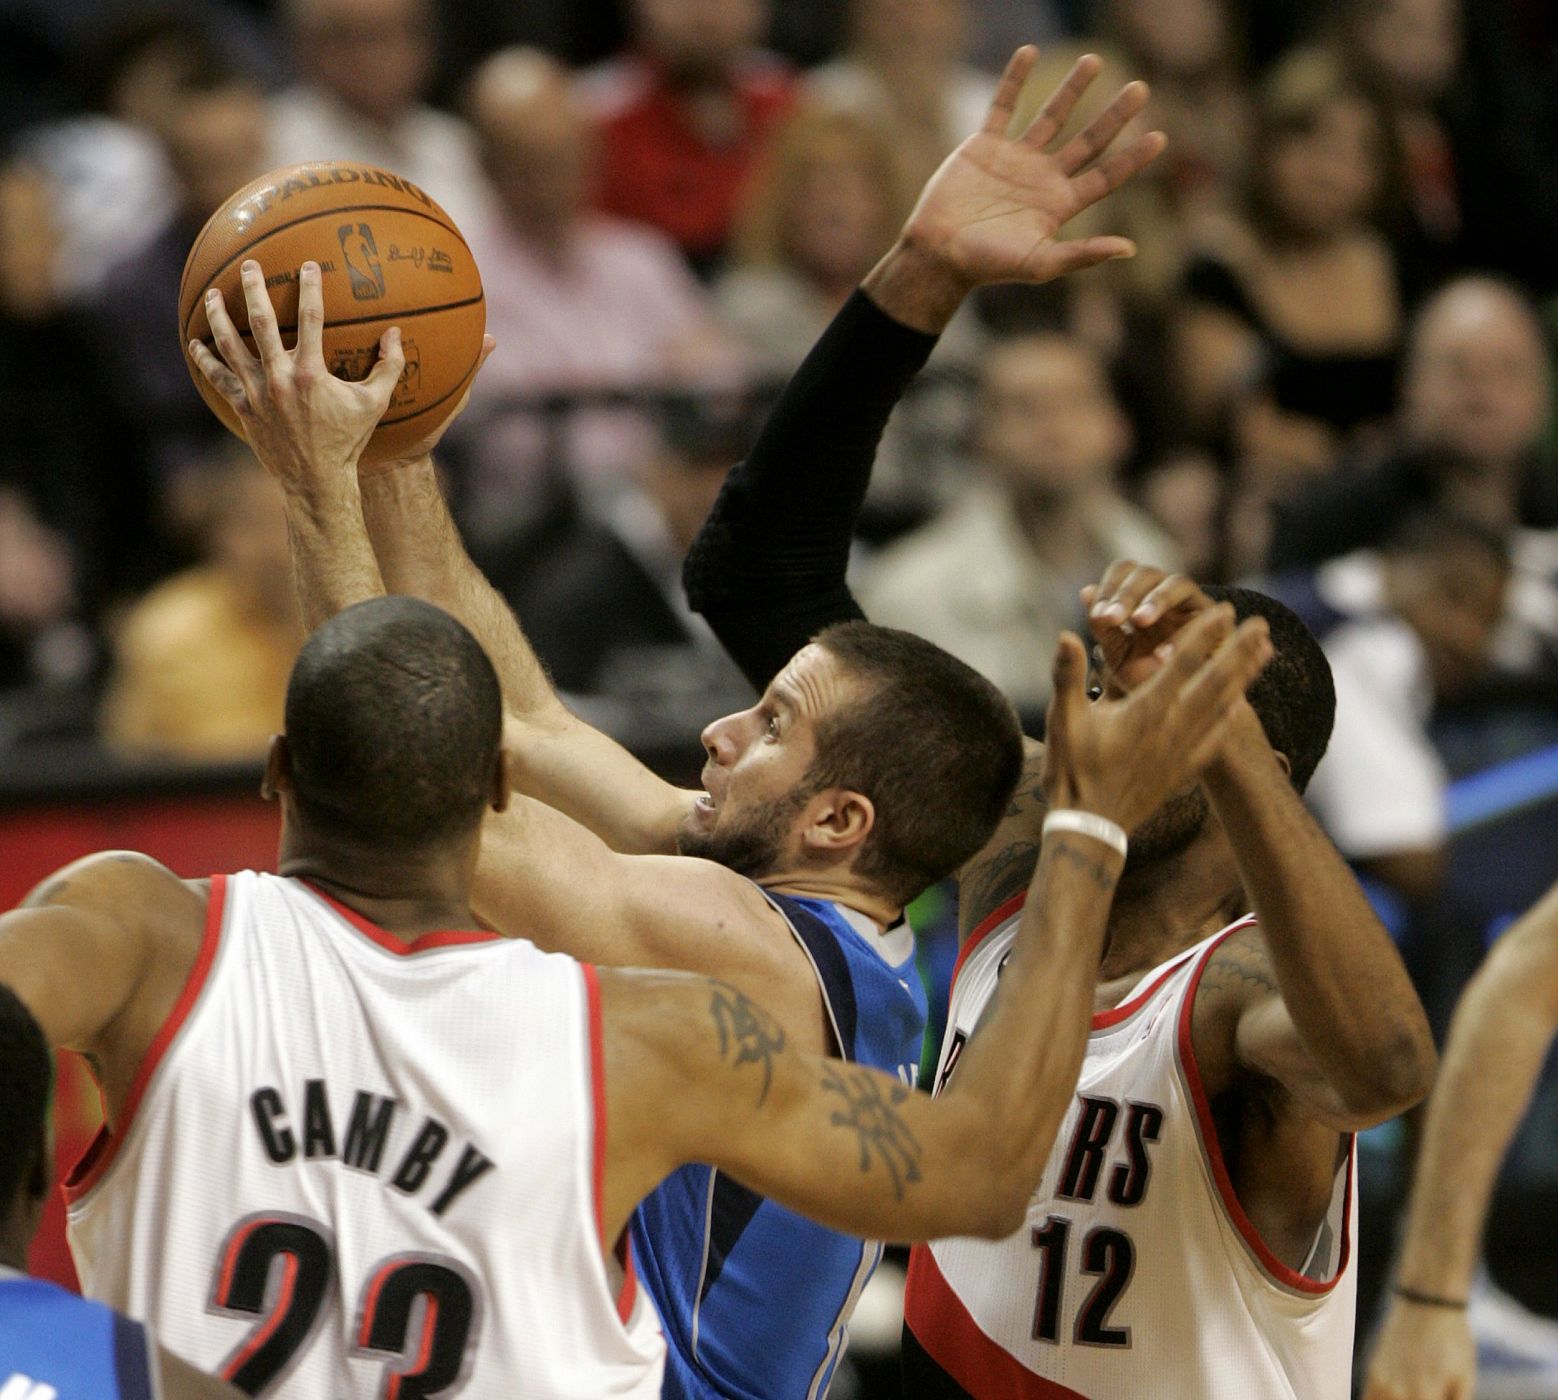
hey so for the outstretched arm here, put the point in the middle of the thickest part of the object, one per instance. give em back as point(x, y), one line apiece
point(309, 429)
point(857, 1149)
point(559, 759)
point(768, 569)
point(1498, 1042)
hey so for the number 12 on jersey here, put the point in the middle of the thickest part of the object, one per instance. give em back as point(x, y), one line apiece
point(1105, 1253)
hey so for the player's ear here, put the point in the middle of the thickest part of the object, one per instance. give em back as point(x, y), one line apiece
point(502, 781)
point(278, 769)
point(1283, 763)
point(838, 820)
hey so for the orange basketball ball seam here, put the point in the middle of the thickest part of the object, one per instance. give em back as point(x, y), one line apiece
point(395, 318)
point(215, 274)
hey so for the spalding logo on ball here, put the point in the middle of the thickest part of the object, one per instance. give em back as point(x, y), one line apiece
point(388, 256)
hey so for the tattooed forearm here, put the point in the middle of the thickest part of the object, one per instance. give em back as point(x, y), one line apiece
point(875, 1121)
point(748, 1035)
point(1073, 855)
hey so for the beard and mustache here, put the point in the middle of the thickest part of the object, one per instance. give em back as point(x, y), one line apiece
point(752, 843)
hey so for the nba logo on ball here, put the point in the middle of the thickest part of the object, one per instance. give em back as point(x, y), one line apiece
point(362, 261)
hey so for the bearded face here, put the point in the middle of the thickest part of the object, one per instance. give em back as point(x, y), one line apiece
point(1168, 830)
point(751, 841)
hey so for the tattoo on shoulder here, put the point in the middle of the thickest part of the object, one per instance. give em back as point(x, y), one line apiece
point(996, 880)
point(874, 1119)
point(748, 1035)
point(1029, 796)
point(1241, 970)
point(52, 890)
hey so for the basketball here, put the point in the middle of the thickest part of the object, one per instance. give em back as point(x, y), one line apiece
point(388, 256)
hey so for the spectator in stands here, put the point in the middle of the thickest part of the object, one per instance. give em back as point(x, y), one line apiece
point(996, 579)
point(602, 601)
point(365, 68)
point(576, 300)
point(216, 143)
point(1299, 275)
point(71, 504)
point(823, 207)
point(1405, 627)
point(904, 67)
point(1191, 52)
point(201, 662)
point(685, 118)
point(1409, 51)
point(1468, 441)
point(116, 186)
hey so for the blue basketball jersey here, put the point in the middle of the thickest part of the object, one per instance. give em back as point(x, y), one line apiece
point(56, 1346)
point(754, 1298)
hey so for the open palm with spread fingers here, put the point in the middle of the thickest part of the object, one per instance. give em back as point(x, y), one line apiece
point(299, 418)
point(993, 211)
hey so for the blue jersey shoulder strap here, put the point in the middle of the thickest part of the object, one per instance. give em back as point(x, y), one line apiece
point(753, 1297)
point(55, 1343)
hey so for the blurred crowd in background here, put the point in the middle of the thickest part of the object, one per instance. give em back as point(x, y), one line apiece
point(1328, 369)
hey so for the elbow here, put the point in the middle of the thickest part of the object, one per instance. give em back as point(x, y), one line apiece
point(1399, 1076)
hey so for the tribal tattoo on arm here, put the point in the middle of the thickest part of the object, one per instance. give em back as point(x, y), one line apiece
point(748, 1035)
point(875, 1121)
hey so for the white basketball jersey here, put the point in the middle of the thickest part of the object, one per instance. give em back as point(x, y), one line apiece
point(1136, 1272)
point(357, 1167)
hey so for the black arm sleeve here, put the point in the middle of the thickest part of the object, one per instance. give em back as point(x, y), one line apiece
point(768, 568)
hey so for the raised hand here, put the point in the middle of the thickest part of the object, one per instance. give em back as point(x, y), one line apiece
point(1423, 1353)
point(307, 427)
point(993, 211)
point(1122, 758)
point(1133, 611)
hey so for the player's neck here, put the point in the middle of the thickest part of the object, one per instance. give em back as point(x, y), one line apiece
point(1163, 908)
point(838, 888)
point(407, 897)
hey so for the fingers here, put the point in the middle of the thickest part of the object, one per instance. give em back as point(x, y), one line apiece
point(385, 374)
point(1217, 685)
point(1176, 592)
point(1099, 135)
point(222, 379)
point(262, 319)
point(1110, 174)
point(1126, 585)
point(1052, 116)
point(230, 344)
point(999, 115)
point(1069, 691)
point(1073, 256)
point(311, 317)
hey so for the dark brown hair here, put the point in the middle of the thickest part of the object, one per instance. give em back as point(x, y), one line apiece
point(934, 745)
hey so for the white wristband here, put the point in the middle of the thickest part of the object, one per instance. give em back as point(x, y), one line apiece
point(1112, 834)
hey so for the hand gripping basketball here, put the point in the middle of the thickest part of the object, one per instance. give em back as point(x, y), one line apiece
point(303, 423)
point(1122, 758)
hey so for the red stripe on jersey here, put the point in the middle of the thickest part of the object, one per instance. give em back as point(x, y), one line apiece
point(955, 1342)
point(1207, 1129)
point(624, 1247)
point(99, 1156)
point(443, 938)
point(986, 926)
point(1102, 1020)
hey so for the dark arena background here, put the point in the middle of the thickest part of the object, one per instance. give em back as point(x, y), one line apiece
point(1327, 374)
